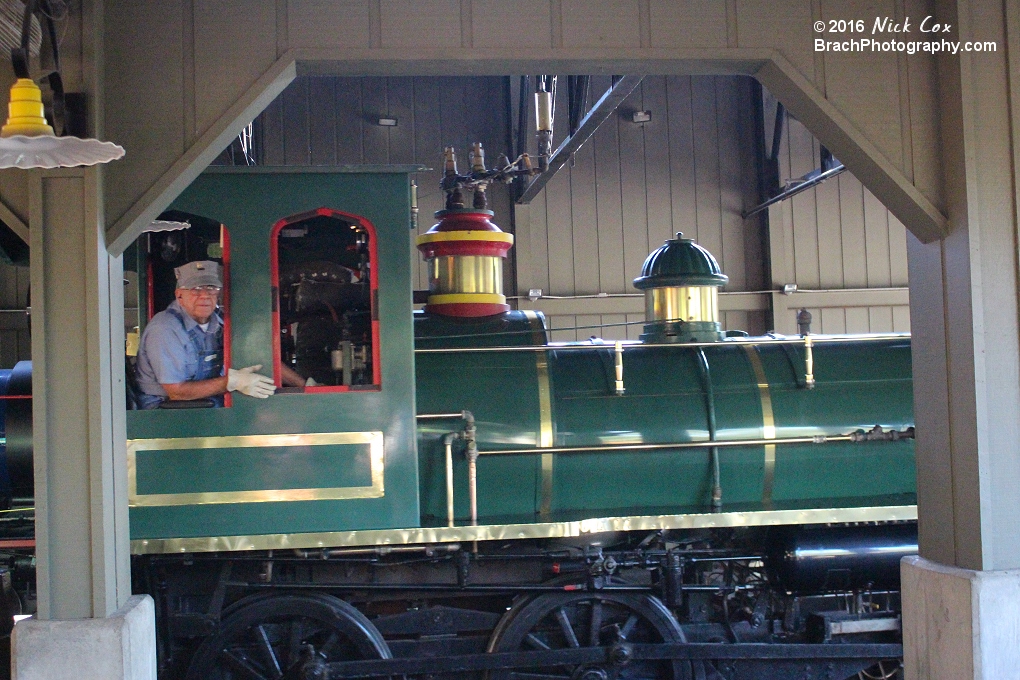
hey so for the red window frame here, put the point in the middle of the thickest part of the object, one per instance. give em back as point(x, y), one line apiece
point(274, 273)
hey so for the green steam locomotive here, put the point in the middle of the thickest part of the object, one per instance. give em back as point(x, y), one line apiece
point(454, 495)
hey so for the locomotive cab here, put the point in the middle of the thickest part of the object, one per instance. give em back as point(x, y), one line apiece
point(301, 259)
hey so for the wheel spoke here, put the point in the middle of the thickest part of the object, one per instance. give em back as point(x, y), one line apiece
point(262, 638)
point(297, 627)
point(329, 643)
point(241, 665)
point(596, 623)
point(533, 641)
point(628, 627)
point(568, 630)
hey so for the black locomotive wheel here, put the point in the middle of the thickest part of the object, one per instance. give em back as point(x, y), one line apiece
point(564, 620)
point(273, 638)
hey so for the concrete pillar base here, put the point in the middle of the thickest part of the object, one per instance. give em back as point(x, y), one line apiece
point(121, 646)
point(959, 624)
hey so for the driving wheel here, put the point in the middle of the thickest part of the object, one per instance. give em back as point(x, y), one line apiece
point(564, 620)
point(273, 638)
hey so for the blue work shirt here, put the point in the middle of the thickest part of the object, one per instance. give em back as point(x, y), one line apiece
point(174, 349)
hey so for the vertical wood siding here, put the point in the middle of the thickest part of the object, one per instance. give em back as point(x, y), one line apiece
point(633, 186)
point(835, 236)
point(628, 189)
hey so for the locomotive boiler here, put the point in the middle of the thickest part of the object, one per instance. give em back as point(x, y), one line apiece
point(457, 496)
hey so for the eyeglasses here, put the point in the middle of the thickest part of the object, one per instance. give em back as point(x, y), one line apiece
point(204, 290)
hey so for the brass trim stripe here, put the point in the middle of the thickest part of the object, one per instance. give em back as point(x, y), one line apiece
point(377, 463)
point(545, 434)
point(768, 427)
point(545, 440)
point(501, 532)
point(463, 298)
point(548, 462)
point(545, 424)
point(437, 236)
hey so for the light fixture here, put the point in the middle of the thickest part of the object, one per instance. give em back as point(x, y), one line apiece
point(27, 141)
point(641, 116)
point(165, 225)
point(388, 122)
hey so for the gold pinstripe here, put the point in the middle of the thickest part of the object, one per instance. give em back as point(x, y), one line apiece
point(768, 427)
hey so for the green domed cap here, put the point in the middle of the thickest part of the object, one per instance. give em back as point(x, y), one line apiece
point(680, 262)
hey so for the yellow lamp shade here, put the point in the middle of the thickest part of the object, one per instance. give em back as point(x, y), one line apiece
point(25, 111)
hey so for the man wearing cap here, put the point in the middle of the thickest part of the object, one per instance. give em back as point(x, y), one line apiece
point(180, 354)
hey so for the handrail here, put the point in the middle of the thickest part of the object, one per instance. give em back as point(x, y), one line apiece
point(891, 435)
point(628, 344)
point(875, 434)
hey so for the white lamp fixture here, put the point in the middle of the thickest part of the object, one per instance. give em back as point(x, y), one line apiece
point(27, 141)
point(165, 225)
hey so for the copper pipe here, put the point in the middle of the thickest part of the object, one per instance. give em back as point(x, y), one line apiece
point(809, 363)
point(448, 444)
point(620, 390)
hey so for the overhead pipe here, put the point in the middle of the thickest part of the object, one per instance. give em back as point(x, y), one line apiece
point(813, 178)
point(599, 113)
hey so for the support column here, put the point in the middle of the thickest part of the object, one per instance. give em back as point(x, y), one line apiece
point(960, 599)
point(79, 439)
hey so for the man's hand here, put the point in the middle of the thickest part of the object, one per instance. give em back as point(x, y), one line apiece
point(247, 381)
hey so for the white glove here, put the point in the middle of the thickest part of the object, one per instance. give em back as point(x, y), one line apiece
point(311, 383)
point(247, 381)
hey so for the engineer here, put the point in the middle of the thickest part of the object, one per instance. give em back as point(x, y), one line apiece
point(180, 354)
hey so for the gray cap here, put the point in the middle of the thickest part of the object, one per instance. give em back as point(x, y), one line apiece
point(196, 274)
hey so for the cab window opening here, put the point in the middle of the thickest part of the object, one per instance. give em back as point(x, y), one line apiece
point(176, 239)
point(325, 325)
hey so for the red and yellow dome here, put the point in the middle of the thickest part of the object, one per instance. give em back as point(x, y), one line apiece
point(465, 253)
